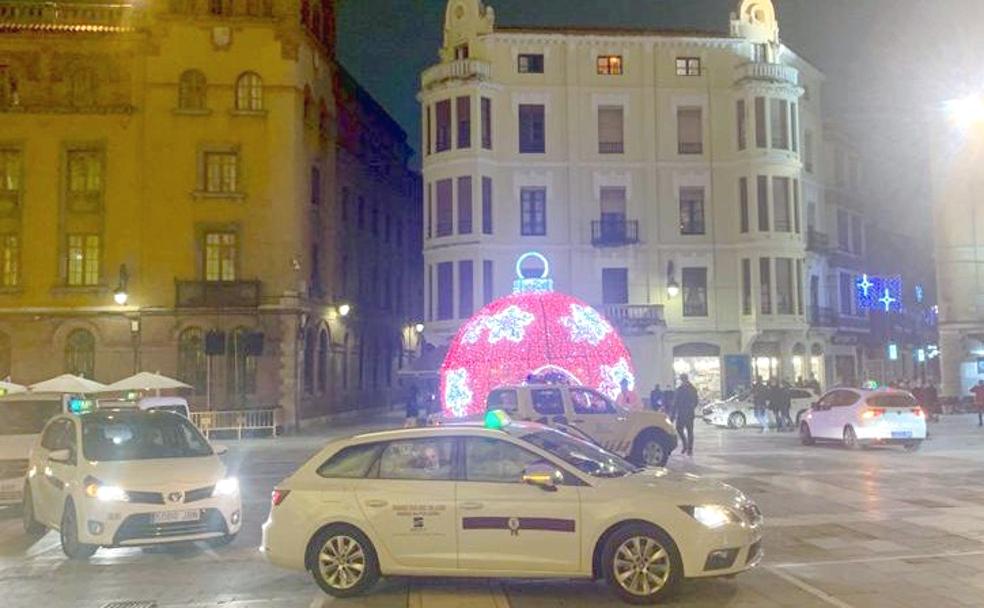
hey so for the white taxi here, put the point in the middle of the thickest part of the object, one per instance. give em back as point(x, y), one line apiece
point(859, 418)
point(125, 477)
point(518, 501)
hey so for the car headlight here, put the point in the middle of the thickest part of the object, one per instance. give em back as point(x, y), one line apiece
point(712, 516)
point(103, 493)
point(226, 487)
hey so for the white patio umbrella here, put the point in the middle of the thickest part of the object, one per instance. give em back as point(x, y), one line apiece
point(8, 388)
point(68, 384)
point(145, 381)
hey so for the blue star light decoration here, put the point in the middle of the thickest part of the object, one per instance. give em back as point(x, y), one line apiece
point(613, 375)
point(457, 395)
point(878, 293)
point(586, 325)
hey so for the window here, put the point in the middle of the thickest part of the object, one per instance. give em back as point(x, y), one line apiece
point(417, 459)
point(80, 353)
point(488, 282)
point(799, 287)
point(10, 179)
point(486, 205)
point(794, 126)
point(694, 284)
point(610, 130)
point(486, 123)
point(240, 364)
point(249, 92)
point(765, 286)
point(82, 87)
point(466, 289)
point(808, 151)
point(83, 259)
point(445, 291)
point(315, 186)
point(547, 401)
point(496, 461)
point(533, 211)
point(761, 52)
point(443, 135)
point(785, 299)
point(191, 90)
point(307, 375)
point(85, 179)
point(743, 205)
point(221, 172)
point(760, 127)
point(846, 294)
point(796, 206)
point(529, 63)
point(352, 462)
point(690, 130)
point(465, 205)
point(615, 285)
point(461, 51)
point(610, 65)
point(688, 66)
point(445, 225)
point(613, 227)
point(843, 230)
point(9, 260)
point(8, 87)
point(532, 129)
point(429, 149)
point(763, 203)
point(692, 211)
point(191, 359)
point(779, 115)
point(780, 204)
point(589, 403)
point(856, 234)
point(741, 116)
point(746, 286)
point(464, 121)
point(221, 251)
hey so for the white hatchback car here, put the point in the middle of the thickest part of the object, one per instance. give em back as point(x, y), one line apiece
point(523, 501)
point(739, 411)
point(859, 418)
point(112, 478)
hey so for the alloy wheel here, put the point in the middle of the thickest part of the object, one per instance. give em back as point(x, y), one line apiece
point(341, 562)
point(653, 453)
point(641, 566)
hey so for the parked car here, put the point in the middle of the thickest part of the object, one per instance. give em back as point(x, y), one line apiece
point(644, 437)
point(859, 418)
point(520, 500)
point(739, 411)
point(22, 418)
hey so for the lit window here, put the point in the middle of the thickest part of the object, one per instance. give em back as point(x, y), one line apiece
point(249, 92)
point(221, 172)
point(688, 66)
point(85, 179)
point(9, 260)
point(692, 211)
point(694, 291)
point(610, 65)
point(530, 64)
point(83, 259)
point(10, 178)
point(191, 91)
point(221, 251)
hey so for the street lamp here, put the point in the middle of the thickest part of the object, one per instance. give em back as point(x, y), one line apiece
point(120, 296)
point(344, 309)
point(419, 328)
point(672, 287)
point(966, 111)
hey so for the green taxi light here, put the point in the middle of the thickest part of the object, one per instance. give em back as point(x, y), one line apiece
point(496, 419)
point(80, 406)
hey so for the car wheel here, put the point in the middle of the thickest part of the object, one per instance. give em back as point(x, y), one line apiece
point(31, 525)
point(343, 561)
point(736, 420)
point(642, 564)
point(221, 541)
point(913, 446)
point(651, 449)
point(806, 437)
point(851, 439)
point(69, 532)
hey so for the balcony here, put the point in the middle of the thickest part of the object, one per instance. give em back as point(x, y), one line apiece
point(635, 319)
point(217, 294)
point(767, 72)
point(66, 16)
point(821, 316)
point(611, 147)
point(614, 233)
point(817, 242)
point(460, 69)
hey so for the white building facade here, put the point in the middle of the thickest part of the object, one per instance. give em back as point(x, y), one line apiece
point(662, 174)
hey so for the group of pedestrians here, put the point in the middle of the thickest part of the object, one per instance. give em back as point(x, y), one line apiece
point(775, 398)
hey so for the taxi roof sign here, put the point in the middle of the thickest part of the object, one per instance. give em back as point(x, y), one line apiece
point(496, 419)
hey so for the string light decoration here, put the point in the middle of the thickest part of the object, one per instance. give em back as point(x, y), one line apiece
point(533, 331)
point(878, 293)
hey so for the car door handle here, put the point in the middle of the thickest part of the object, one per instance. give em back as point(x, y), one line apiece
point(471, 506)
point(376, 504)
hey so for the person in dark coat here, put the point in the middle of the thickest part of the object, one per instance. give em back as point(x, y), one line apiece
point(760, 401)
point(685, 401)
point(656, 398)
point(783, 403)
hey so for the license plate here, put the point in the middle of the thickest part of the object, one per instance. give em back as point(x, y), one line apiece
point(173, 517)
point(901, 434)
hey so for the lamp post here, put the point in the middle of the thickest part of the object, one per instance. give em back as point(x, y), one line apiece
point(672, 287)
point(120, 295)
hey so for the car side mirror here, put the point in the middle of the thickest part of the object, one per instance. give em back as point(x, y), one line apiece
point(544, 476)
point(62, 456)
point(220, 449)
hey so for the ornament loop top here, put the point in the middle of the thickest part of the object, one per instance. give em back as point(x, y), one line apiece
point(541, 284)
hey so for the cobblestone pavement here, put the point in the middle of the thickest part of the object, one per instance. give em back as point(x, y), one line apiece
point(871, 528)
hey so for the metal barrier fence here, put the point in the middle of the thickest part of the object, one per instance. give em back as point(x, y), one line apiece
point(237, 421)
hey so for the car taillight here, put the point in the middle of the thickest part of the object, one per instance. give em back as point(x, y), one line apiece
point(279, 496)
point(872, 413)
point(918, 411)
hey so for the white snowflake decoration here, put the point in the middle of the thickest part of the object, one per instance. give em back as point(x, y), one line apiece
point(473, 333)
point(457, 395)
point(612, 376)
point(586, 325)
point(510, 324)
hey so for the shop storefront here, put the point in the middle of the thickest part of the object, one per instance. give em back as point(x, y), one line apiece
point(702, 363)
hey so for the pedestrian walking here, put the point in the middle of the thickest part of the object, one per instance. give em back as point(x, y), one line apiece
point(932, 397)
point(628, 399)
point(760, 401)
point(413, 406)
point(978, 392)
point(685, 402)
point(784, 402)
point(656, 398)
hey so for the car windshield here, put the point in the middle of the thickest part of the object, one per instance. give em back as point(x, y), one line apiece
point(26, 417)
point(586, 457)
point(141, 436)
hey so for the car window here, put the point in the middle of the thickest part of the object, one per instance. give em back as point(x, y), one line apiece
point(52, 435)
point(845, 398)
point(503, 399)
point(586, 457)
point(547, 401)
point(589, 402)
point(893, 400)
point(496, 461)
point(139, 435)
point(418, 459)
point(352, 462)
point(829, 400)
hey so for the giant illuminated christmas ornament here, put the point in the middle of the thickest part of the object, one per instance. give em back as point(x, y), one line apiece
point(533, 333)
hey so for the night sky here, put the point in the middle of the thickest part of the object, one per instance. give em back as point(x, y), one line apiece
point(888, 62)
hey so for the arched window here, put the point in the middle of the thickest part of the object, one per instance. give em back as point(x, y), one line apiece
point(240, 366)
point(191, 358)
point(82, 87)
point(80, 353)
point(191, 90)
point(322, 362)
point(308, 362)
point(249, 92)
